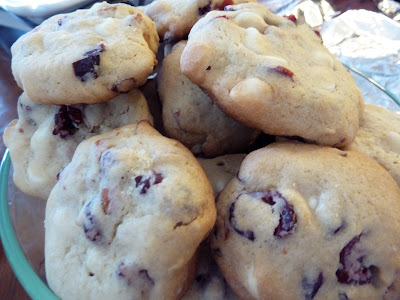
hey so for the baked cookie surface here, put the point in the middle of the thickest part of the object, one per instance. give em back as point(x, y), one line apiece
point(126, 218)
point(44, 138)
point(175, 18)
point(274, 75)
point(190, 116)
point(309, 222)
point(86, 56)
point(379, 138)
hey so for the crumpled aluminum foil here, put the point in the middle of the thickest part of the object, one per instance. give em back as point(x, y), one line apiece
point(369, 42)
point(364, 40)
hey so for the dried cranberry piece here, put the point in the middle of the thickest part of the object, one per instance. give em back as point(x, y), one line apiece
point(88, 62)
point(90, 226)
point(61, 21)
point(284, 71)
point(352, 269)
point(223, 16)
point(287, 220)
point(292, 18)
point(58, 174)
point(85, 66)
point(75, 114)
point(318, 33)
point(146, 182)
point(158, 178)
point(311, 287)
point(67, 120)
point(246, 233)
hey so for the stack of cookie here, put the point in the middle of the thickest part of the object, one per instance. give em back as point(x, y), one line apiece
point(80, 74)
point(131, 213)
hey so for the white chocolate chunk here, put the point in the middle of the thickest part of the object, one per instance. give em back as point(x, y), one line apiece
point(251, 20)
point(323, 58)
point(252, 282)
point(330, 87)
point(252, 88)
point(392, 140)
point(255, 41)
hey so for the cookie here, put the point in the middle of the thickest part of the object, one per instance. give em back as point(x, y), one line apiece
point(220, 170)
point(379, 138)
point(191, 117)
point(175, 18)
point(272, 74)
point(87, 56)
point(126, 218)
point(304, 221)
point(44, 138)
point(209, 284)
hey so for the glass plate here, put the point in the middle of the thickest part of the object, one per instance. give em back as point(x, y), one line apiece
point(23, 241)
point(21, 216)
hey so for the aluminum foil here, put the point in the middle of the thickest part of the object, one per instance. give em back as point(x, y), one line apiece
point(369, 42)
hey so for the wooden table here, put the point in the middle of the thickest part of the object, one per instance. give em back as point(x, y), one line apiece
point(10, 288)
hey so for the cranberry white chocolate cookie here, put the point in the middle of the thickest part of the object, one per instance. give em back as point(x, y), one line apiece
point(220, 170)
point(175, 18)
point(191, 117)
point(126, 218)
point(379, 138)
point(272, 74)
point(86, 56)
point(303, 221)
point(44, 138)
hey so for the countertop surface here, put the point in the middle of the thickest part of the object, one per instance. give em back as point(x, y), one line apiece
point(10, 288)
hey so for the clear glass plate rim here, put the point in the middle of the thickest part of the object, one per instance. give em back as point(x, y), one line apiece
point(375, 83)
point(31, 282)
